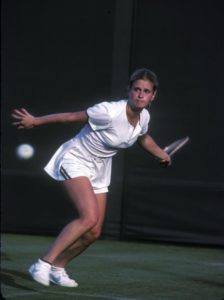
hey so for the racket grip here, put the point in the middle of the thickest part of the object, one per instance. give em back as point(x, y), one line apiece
point(164, 163)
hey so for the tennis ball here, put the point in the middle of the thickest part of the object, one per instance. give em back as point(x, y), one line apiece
point(25, 151)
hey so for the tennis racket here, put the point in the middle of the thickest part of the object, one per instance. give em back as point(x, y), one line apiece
point(174, 147)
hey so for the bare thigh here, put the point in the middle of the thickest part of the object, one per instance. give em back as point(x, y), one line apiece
point(82, 196)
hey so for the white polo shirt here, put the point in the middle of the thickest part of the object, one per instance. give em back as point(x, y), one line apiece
point(107, 130)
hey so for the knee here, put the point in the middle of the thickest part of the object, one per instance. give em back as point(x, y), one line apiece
point(89, 221)
point(92, 235)
point(95, 233)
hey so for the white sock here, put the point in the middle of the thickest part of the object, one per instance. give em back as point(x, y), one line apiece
point(44, 262)
point(56, 269)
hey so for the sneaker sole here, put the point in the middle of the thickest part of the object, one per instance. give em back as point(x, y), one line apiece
point(71, 286)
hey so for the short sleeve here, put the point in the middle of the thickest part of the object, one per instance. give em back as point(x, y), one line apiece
point(99, 116)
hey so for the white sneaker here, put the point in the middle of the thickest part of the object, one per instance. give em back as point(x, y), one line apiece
point(40, 271)
point(60, 277)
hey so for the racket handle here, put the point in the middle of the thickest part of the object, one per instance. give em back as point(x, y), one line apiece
point(164, 163)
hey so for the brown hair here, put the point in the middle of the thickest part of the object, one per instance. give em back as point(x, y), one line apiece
point(144, 74)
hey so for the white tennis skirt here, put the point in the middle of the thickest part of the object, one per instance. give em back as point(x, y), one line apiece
point(74, 163)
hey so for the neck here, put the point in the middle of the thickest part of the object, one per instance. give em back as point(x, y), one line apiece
point(132, 111)
point(132, 115)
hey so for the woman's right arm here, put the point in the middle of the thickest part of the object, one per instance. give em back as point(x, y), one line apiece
point(24, 120)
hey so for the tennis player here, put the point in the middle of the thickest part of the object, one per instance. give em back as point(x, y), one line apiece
point(83, 165)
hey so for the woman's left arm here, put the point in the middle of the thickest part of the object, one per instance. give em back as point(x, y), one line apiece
point(147, 143)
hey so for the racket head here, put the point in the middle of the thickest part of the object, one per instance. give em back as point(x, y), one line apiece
point(174, 147)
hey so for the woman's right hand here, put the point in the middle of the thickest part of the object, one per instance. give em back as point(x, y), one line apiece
point(24, 120)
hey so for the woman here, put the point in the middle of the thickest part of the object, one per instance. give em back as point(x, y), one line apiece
point(83, 164)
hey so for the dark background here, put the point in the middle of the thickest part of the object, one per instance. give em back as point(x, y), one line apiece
point(68, 55)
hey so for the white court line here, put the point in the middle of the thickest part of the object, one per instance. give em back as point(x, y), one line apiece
point(215, 264)
point(69, 294)
point(19, 294)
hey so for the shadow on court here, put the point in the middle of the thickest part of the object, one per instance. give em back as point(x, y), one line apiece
point(9, 277)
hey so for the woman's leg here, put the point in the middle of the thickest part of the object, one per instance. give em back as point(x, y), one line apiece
point(85, 201)
point(87, 239)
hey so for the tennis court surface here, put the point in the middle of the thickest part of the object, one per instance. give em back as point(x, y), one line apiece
point(114, 270)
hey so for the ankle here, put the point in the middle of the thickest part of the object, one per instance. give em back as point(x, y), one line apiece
point(45, 261)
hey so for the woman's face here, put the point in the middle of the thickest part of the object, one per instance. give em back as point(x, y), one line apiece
point(141, 94)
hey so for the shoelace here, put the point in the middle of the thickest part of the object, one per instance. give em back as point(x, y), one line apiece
point(64, 274)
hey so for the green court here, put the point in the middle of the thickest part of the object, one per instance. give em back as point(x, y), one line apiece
point(114, 270)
